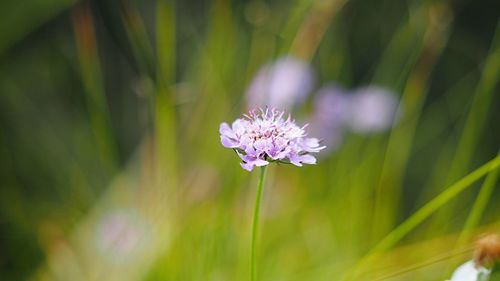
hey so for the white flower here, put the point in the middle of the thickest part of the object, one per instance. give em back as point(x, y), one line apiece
point(470, 272)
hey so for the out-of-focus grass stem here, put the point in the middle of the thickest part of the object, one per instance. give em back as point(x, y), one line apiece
point(393, 70)
point(400, 142)
point(293, 23)
point(139, 41)
point(479, 206)
point(443, 257)
point(165, 113)
point(476, 120)
point(92, 81)
point(216, 67)
point(479, 110)
point(26, 18)
point(313, 28)
point(403, 51)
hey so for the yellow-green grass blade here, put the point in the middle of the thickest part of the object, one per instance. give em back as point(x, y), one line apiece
point(426, 211)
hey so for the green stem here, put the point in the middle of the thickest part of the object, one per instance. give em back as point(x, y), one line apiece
point(256, 213)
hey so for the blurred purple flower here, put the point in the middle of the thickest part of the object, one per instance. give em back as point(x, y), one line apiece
point(331, 108)
point(364, 110)
point(119, 232)
point(281, 84)
point(264, 136)
point(373, 109)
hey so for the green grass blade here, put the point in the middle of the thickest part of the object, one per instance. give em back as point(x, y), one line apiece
point(427, 210)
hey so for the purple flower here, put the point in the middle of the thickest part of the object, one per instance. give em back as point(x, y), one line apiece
point(331, 108)
point(282, 84)
point(373, 110)
point(364, 110)
point(264, 136)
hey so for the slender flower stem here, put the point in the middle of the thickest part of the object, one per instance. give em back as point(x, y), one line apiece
point(255, 224)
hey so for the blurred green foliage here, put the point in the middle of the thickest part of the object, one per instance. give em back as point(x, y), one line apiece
point(86, 85)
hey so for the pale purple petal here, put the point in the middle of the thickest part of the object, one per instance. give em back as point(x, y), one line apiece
point(225, 130)
point(255, 161)
point(247, 166)
point(260, 162)
point(261, 145)
point(308, 159)
point(311, 145)
point(282, 154)
point(295, 160)
point(299, 159)
point(239, 126)
point(229, 143)
point(311, 142)
point(250, 151)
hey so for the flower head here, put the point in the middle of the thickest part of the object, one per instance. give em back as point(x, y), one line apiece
point(264, 136)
